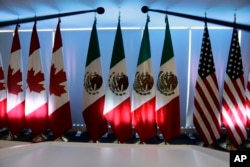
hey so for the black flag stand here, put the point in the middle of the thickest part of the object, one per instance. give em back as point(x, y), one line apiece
point(145, 9)
point(99, 10)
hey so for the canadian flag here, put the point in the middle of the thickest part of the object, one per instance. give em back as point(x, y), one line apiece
point(15, 96)
point(59, 105)
point(3, 98)
point(36, 107)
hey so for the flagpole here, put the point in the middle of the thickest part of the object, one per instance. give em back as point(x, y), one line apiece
point(99, 10)
point(146, 9)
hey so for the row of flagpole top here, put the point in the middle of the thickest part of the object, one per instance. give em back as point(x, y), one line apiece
point(99, 10)
point(146, 9)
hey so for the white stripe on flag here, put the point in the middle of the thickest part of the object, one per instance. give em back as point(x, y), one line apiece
point(208, 94)
point(90, 99)
point(203, 126)
point(139, 100)
point(234, 112)
point(162, 100)
point(232, 107)
point(231, 125)
point(236, 95)
point(112, 100)
point(207, 114)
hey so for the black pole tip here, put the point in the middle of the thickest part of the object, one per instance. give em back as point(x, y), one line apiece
point(144, 9)
point(100, 10)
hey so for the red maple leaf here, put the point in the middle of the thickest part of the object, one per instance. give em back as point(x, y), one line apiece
point(35, 81)
point(2, 87)
point(13, 80)
point(55, 80)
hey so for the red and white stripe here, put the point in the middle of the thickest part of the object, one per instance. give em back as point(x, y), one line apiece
point(207, 109)
point(248, 101)
point(233, 109)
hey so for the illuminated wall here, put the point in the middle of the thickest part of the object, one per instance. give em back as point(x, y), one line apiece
point(186, 43)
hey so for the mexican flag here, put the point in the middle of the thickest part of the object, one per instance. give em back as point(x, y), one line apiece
point(143, 94)
point(93, 90)
point(3, 98)
point(117, 98)
point(36, 106)
point(15, 96)
point(59, 106)
point(167, 92)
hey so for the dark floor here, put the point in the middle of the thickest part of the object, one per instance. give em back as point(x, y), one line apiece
point(82, 136)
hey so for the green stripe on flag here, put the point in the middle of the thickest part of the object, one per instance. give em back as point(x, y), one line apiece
point(118, 49)
point(145, 52)
point(93, 50)
point(168, 51)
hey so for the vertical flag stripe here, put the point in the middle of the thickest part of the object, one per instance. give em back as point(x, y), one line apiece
point(35, 40)
point(120, 120)
point(142, 120)
point(93, 52)
point(145, 51)
point(118, 50)
point(3, 113)
point(96, 125)
point(58, 38)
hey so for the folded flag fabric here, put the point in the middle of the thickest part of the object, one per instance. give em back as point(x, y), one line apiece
point(93, 91)
point(15, 96)
point(117, 97)
point(143, 94)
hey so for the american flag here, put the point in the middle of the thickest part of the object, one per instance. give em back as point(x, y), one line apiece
point(233, 100)
point(207, 107)
point(248, 101)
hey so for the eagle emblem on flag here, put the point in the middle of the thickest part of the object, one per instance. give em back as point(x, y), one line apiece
point(167, 83)
point(118, 83)
point(143, 84)
point(92, 82)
